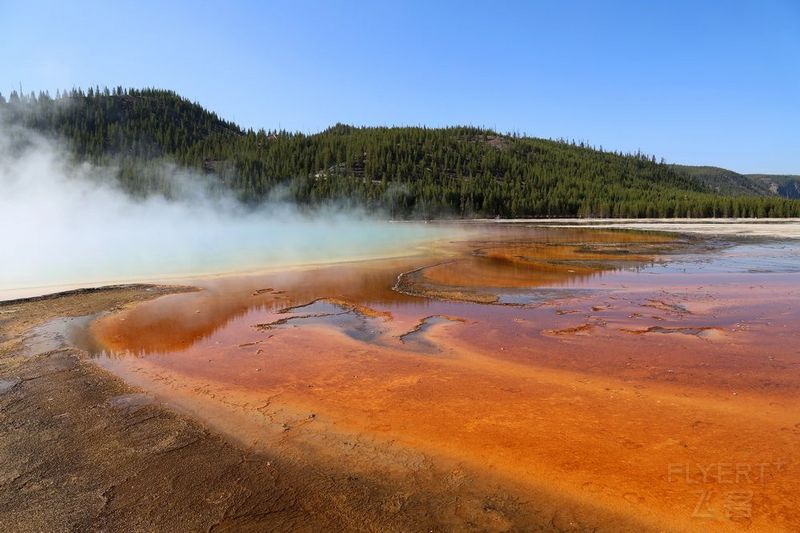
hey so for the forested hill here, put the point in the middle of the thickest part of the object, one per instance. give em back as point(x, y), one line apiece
point(787, 186)
point(405, 171)
point(729, 182)
point(724, 181)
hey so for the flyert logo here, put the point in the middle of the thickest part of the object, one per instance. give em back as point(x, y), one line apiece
point(724, 490)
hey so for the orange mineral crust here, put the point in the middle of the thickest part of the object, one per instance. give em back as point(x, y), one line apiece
point(658, 398)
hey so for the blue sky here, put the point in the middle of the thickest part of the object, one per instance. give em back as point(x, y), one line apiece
point(697, 82)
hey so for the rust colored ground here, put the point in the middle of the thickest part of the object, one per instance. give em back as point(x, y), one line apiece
point(660, 401)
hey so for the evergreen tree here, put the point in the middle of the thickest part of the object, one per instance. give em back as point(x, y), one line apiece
point(407, 172)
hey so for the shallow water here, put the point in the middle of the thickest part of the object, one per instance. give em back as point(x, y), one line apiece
point(151, 251)
point(601, 366)
point(746, 255)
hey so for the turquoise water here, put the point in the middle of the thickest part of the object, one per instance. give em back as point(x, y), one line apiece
point(143, 250)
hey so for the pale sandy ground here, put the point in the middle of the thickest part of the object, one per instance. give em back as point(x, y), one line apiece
point(782, 228)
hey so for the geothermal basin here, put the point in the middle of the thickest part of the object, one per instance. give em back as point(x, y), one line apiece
point(516, 376)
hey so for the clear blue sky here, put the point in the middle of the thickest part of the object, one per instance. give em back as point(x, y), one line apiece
point(696, 82)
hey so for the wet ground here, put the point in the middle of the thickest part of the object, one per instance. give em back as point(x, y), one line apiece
point(522, 378)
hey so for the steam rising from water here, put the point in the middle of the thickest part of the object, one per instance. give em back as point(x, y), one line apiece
point(63, 224)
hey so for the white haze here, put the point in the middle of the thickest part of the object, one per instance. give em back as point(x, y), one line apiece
point(65, 225)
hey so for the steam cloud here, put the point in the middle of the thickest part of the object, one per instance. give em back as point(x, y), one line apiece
point(66, 224)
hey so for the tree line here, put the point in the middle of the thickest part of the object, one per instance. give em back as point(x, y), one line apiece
point(403, 171)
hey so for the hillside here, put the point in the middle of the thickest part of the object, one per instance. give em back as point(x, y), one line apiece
point(724, 181)
point(405, 171)
point(782, 185)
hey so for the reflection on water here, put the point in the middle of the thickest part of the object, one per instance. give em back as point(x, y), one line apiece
point(745, 256)
point(177, 322)
point(503, 265)
point(521, 266)
point(354, 321)
point(506, 270)
point(417, 339)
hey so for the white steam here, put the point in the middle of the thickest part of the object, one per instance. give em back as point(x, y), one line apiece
point(66, 225)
